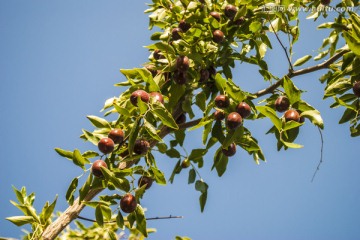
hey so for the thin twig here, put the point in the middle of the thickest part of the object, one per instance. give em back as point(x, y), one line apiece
point(321, 155)
point(291, 74)
point(283, 47)
point(147, 219)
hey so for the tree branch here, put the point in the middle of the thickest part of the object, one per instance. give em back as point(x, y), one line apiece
point(299, 72)
point(147, 219)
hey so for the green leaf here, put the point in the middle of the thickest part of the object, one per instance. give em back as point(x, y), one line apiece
point(201, 186)
point(140, 220)
point(71, 190)
point(255, 26)
point(292, 92)
point(49, 210)
point(86, 187)
point(200, 100)
point(352, 43)
point(315, 117)
point(78, 159)
point(217, 132)
point(120, 220)
point(165, 117)
point(302, 60)
point(99, 215)
point(21, 220)
point(147, 77)
point(177, 169)
point(292, 145)
point(122, 110)
point(197, 153)
point(290, 125)
point(152, 131)
point(18, 194)
point(120, 183)
point(192, 176)
point(233, 136)
point(91, 137)
point(202, 200)
point(90, 154)
point(64, 153)
point(348, 115)
point(270, 113)
point(133, 135)
point(158, 175)
point(99, 122)
point(173, 153)
point(106, 211)
point(220, 162)
point(337, 87)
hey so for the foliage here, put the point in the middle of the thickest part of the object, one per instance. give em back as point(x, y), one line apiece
point(191, 90)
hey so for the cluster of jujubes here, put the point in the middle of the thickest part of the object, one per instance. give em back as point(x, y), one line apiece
point(282, 104)
point(141, 146)
point(234, 119)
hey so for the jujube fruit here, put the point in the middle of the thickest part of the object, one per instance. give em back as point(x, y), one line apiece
point(157, 55)
point(230, 11)
point(233, 120)
point(243, 109)
point(157, 96)
point(145, 180)
point(222, 101)
point(175, 33)
point(144, 96)
point(230, 151)
point(282, 104)
point(182, 63)
point(218, 36)
point(117, 135)
point(215, 15)
point(96, 168)
point(141, 146)
point(356, 88)
point(185, 163)
point(180, 77)
point(204, 75)
point(128, 203)
point(184, 26)
point(292, 115)
point(219, 115)
point(106, 145)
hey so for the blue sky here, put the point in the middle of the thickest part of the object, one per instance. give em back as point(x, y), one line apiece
point(59, 61)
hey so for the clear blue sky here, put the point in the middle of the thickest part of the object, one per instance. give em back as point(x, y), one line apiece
point(59, 61)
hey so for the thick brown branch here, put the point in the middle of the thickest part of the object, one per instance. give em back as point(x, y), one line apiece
point(68, 216)
point(291, 74)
